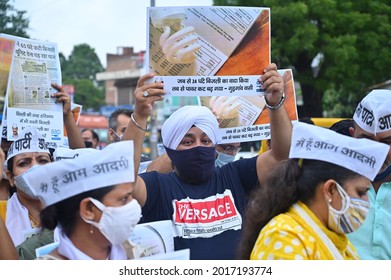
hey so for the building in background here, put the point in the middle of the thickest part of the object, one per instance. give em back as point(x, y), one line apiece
point(122, 72)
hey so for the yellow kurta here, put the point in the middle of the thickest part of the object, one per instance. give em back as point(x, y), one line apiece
point(3, 209)
point(289, 237)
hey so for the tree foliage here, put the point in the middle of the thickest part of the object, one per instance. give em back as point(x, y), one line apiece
point(87, 94)
point(354, 37)
point(83, 63)
point(79, 70)
point(12, 21)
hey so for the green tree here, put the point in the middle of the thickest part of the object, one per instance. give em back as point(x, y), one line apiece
point(79, 70)
point(13, 22)
point(353, 37)
point(63, 61)
point(83, 63)
point(87, 94)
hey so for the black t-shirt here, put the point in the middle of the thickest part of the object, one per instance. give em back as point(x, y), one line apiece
point(207, 218)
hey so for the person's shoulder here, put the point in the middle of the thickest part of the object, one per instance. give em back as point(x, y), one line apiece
point(26, 249)
point(245, 163)
point(246, 160)
point(155, 175)
point(165, 182)
point(41, 238)
point(281, 226)
point(152, 177)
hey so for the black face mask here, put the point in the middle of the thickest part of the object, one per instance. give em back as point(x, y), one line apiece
point(88, 144)
point(195, 165)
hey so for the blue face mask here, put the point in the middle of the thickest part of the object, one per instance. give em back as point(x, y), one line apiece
point(223, 159)
point(195, 165)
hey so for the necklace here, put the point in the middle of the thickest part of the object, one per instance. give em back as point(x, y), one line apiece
point(33, 221)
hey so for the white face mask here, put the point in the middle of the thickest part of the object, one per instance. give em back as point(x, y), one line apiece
point(119, 137)
point(21, 184)
point(351, 216)
point(117, 223)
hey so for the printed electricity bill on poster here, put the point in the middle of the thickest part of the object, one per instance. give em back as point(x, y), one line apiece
point(35, 65)
point(217, 54)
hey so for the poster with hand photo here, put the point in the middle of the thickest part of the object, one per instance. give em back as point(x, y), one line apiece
point(217, 54)
point(207, 41)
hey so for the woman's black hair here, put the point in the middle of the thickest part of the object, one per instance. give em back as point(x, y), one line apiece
point(284, 186)
point(66, 212)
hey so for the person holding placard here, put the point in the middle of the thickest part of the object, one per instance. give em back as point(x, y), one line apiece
point(21, 212)
point(310, 202)
point(205, 203)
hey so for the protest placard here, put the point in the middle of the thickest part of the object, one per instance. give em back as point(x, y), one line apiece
point(218, 55)
point(28, 102)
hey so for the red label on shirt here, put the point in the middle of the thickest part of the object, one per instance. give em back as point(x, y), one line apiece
point(204, 211)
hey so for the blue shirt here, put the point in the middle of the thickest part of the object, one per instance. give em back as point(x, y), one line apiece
point(373, 239)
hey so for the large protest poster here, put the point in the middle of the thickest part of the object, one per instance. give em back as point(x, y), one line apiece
point(6, 53)
point(35, 65)
point(217, 54)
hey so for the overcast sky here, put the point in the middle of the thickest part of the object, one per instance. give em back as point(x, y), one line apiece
point(102, 24)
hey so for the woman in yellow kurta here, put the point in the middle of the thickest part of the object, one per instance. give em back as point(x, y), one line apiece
point(288, 236)
point(311, 201)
